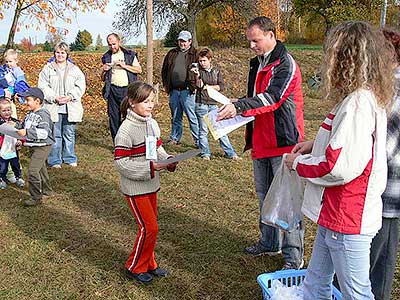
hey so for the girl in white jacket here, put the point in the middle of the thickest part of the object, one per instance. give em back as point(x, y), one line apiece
point(345, 166)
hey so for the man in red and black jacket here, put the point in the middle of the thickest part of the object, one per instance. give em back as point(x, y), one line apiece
point(275, 99)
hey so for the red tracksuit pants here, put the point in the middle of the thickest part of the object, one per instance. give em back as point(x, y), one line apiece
point(144, 208)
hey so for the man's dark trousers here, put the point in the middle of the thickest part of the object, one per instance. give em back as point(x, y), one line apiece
point(117, 94)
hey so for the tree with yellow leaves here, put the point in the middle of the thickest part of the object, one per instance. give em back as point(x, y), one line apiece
point(44, 12)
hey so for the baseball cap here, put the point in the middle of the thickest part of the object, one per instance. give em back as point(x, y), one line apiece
point(185, 35)
point(33, 92)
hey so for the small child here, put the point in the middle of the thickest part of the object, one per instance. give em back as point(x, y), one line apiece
point(209, 76)
point(39, 133)
point(12, 82)
point(9, 147)
point(137, 148)
point(14, 76)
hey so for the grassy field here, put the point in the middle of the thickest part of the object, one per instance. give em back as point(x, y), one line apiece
point(75, 244)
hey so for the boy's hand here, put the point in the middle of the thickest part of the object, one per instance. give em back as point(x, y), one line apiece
point(18, 145)
point(12, 123)
point(22, 132)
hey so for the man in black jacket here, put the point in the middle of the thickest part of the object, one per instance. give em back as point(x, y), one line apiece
point(120, 68)
point(179, 83)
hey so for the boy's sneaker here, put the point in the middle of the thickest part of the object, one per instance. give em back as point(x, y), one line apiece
point(19, 182)
point(160, 272)
point(3, 184)
point(12, 179)
point(74, 164)
point(31, 202)
point(292, 266)
point(258, 250)
point(56, 166)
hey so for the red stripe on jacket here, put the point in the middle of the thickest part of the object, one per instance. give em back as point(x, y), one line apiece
point(121, 152)
point(345, 216)
point(323, 168)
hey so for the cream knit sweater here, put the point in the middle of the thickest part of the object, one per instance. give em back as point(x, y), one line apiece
point(137, 174)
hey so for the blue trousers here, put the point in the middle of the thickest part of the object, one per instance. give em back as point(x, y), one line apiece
point(201, 111)
point(345, 254)
point(292, 242)
point(183, 101)
point(15, 166)
point(63, 150)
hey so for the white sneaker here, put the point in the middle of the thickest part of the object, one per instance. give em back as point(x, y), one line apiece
point(56, 166)
point(12, 179)
point(20, 182)
point(3, 184)
point(73, 164)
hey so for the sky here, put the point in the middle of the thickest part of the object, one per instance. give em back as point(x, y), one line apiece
point(95, 22)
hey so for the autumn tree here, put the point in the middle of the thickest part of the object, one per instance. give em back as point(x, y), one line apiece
point(132, 15)
point(333, 12)
point(55, 36)
point(44, 12)
point(99, 42)
point(26, 45)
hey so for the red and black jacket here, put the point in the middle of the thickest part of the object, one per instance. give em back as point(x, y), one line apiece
point(277, 105)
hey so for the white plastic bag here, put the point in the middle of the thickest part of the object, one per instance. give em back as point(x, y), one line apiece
point(282, 204)
point(282, 292)
point(8, 149)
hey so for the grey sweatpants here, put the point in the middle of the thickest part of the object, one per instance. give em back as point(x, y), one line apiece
point(38, 177)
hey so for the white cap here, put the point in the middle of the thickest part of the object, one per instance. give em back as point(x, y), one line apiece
point(185, 35)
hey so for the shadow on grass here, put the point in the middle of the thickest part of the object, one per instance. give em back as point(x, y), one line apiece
point(206, 260)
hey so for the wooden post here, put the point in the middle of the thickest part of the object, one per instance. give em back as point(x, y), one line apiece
point(149, 47)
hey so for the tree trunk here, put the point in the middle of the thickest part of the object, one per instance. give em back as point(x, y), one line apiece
point(149, 47)
point(383, 14)
point(192, 28)
point(11, 34)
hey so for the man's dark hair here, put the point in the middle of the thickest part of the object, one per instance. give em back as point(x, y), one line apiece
point(264, 23)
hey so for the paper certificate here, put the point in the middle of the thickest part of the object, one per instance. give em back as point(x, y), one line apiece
point(9, 130)
point(217, 96)
point(180, 157)
point(220, 128)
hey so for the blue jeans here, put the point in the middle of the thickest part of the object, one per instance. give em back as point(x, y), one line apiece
point(179, 102)
point(345, 254)
point(15, 166)
point(202, 110)
point(63, 149)
point(292, 242)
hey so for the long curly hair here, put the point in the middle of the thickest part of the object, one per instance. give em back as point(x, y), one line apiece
point(357, 55)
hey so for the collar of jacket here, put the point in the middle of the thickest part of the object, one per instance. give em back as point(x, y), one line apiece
point(276, 54)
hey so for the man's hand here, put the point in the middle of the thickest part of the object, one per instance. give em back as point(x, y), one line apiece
point(22, 132)
point(226, 112)
point(106, 67)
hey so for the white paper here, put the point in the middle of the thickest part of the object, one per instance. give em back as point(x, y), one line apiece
point(7, 129)
point(179, 157)
point(220, 128)
point(217, 96)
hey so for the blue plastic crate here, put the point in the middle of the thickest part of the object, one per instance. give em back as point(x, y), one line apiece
point(288, 278)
